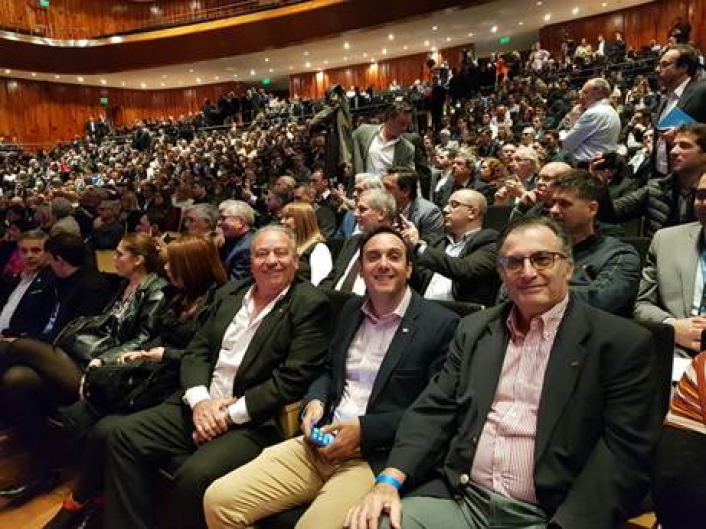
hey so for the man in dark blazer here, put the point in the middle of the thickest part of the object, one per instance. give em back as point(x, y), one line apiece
point(24, 299)
point(376, 148)
point(461, 265)
point(385, 349)
point(261, 348)
point(462, 177)
point(676, 72)
point(543, 415)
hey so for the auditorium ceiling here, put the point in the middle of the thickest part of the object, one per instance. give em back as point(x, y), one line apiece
point(516, 22)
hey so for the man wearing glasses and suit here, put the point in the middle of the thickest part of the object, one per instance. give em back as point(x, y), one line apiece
point(542, 415)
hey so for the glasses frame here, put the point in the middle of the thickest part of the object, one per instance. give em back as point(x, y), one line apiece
point(505, 260)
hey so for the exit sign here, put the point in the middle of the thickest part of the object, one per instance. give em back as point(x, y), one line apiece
point(104, 100)
point(505, 40)
point(43, 3)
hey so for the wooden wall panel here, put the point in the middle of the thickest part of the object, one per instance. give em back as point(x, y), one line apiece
point(405, 70)
point(91, 18)
point(44, 113)
point(639, 24)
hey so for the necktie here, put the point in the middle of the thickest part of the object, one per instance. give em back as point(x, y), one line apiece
point(349, 281)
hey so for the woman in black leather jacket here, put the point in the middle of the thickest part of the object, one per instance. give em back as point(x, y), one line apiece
point(195, 271)
point(36, 376)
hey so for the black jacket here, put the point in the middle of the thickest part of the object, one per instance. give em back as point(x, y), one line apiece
point(473, 272)
point(138, 323)
point(606, 274)
point(416, 352)
point(34, 309)
point(86, 292)
point(657, 202)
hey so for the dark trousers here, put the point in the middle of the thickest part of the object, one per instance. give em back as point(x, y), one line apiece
point(679, 483)
point(138, 444)
point(35, 378)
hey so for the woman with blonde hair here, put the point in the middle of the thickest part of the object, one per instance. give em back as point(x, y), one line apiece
point(315, 261)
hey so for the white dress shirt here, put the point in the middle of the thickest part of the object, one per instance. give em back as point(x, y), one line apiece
point(236, 341)
point(381, 154)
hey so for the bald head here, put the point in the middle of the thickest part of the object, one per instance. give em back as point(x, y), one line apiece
point(552, 170)
point(464, 212)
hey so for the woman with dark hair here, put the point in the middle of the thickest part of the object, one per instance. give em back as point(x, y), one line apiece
point(315, 260)
point(36, 377)
point(195, 271)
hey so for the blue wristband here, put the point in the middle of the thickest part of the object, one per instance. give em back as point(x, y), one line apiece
point(384, 478)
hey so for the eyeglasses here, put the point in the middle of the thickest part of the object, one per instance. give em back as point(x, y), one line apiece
point(538, 260)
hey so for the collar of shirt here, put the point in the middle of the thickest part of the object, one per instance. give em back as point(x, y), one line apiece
point(249, 303)
point(398, 313)
point(546, 320)
point(679, 90)
point(463, 238)
point(598, 103)
point(24, 276)
point(383, 142)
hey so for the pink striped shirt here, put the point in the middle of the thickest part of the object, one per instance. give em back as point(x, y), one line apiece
point(504, 460)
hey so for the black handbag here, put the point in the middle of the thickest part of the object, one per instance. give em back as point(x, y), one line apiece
point(86, 337)
point(130, 387)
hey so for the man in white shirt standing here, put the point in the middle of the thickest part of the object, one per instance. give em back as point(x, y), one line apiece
point(597, 128)
point(376, 148)
point(261, 348)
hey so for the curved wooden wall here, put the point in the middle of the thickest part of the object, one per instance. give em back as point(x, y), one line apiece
point(638, 24)
point(405, 70)
point(70, 19)
point(279, 28)
point(44, 113)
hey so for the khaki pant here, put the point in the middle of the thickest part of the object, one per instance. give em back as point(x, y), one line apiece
point(285, 476)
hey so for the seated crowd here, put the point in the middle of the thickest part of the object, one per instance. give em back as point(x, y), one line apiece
point(249, 273)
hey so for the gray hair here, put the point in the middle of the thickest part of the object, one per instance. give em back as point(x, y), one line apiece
point(238, 208)
point(61, 207)
point(369, 181)
point(602, 86)
point(207, 212)
point(381, 200)
point(291, 237)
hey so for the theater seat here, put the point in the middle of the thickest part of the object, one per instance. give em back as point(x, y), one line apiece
point(104, 261)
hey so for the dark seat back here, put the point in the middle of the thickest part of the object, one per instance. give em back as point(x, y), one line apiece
point(641, 244)
point(497, 217)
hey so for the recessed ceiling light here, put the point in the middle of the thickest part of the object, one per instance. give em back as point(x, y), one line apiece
point(57, 77)
point(539, 2)
point(426, 43)
point(433, 48)
point(405, 47)
point(164, 76)
point(520, 23)
point(307, 64)
point(80, 79)
point(191, 70)
point(390, 37)
point(306, 54)
point(116, 38)
point(372, 61)
point(575, 11)
point(198, 79)
point(34, 74)
point(470, 34)
point(143, 85)
point(548, 16)
point(448, 39)
point(161, 84)
point(122, 84)
point(216, 78)
point(604, 4)
point(365, 54)
point(103, 81)
point(267, 59)
point(345, 58)
point(8, 71)
point(252, 72)
point(272, 70)
point(494, 29)
point(434, 28)
point(291, 67)
point(346, 46)
point(384, 51)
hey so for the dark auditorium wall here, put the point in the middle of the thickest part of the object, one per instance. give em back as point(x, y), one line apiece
point(43, 113)
point(405, 70)
point(89, 18)
point(638, 24)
